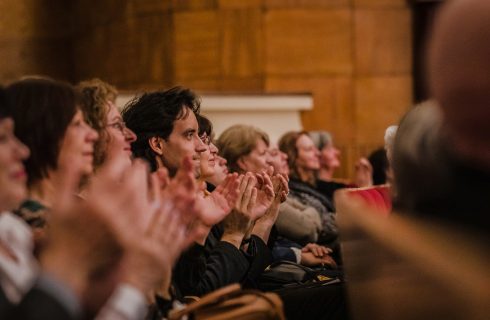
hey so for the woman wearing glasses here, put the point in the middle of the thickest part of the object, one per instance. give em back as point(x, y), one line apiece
point(98, 105)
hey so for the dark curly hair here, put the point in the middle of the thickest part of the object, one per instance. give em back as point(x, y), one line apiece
point(153, 115)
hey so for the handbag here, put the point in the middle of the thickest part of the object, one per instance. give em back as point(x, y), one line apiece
point(231, 302)
point(283, 274)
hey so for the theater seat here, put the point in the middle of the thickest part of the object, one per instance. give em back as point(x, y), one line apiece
point(376, 197)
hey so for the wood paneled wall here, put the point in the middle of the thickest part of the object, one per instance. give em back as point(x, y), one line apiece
point(35, 38)
point(353, 56)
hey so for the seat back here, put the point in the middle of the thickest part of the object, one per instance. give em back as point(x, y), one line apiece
point(399, 267)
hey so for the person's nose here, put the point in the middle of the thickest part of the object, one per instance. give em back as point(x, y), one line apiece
point(22, 151)
point(129, 135)
point(199, 145)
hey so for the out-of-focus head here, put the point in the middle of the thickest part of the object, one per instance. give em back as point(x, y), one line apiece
point(389, 139)
point(245, 148)
point(13, 176)
point(278, 160)
point(100, 112)
point(49, 122)
point(303, 156)
point(458, 67)
point(329, 154)
point(166, 128)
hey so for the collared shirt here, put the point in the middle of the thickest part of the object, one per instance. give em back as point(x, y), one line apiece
point(17, 276)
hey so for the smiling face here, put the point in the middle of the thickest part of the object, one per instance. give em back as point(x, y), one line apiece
point(257, 160)
point(119, 137)
point(183, 141)
point(308, 155)
point(77, 146)
point(12, 173)
point(278, 160)
point(329, 156)
point(208, 157)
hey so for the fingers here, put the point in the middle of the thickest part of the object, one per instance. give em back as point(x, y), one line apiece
point(163, 178)
point(270, 171)
point(247, 192)
point(253, 200)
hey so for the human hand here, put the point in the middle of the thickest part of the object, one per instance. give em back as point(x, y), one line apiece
point(82, 245)
point(218, 204)
point(317, 250)
point(310, 260)
point(238, 222)
point(265, 195)
point(281, 187)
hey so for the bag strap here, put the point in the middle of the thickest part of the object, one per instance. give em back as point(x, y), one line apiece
point(212, 297)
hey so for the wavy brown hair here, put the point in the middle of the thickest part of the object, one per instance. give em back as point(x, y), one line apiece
point(287, 144)
point(94, 97)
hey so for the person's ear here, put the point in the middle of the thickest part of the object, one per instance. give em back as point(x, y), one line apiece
point(241, 164)
point(156, 144)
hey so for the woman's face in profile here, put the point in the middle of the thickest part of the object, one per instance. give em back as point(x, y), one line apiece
point(13, 176)
point(77, 146)
point(257, 160)
point(308, 154)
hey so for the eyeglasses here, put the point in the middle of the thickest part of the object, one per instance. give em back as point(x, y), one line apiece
point(119, 125)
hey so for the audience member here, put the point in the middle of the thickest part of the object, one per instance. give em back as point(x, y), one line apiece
point(304, 162)
point(330, 161)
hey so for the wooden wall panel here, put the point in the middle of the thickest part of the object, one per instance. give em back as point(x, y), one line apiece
point(308, 42)
point(34, 40)
point(380, 102)
point(306, 3)
point(197, 46)
point(126, 57)
point(191, 5)
point(381, 41)
point(240, 4)
point(381, 3)
point(333, 94)
point(242, 49)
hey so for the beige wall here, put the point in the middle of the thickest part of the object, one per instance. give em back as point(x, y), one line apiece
point(353, 56)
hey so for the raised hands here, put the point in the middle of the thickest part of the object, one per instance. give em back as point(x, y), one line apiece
point(218, 204)
point(265, 195)
point(238, 222)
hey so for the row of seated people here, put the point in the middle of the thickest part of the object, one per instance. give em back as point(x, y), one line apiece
point(130, 212)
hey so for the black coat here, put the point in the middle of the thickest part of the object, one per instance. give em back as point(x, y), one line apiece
point(203, 269)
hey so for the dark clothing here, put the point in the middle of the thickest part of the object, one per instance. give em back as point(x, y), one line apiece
point(431, 181)
point(308, 195)
point(328, 188)
point(315, 301)
point(5, 305)
point(282, 250)
point(203, 269)
point(38, 305)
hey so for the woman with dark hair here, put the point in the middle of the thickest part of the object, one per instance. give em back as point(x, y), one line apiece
point(49, 122)
point(16, 267)
point(304, 161)
point(208, 157)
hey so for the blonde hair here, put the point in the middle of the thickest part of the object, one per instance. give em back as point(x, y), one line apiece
point(238, 141)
